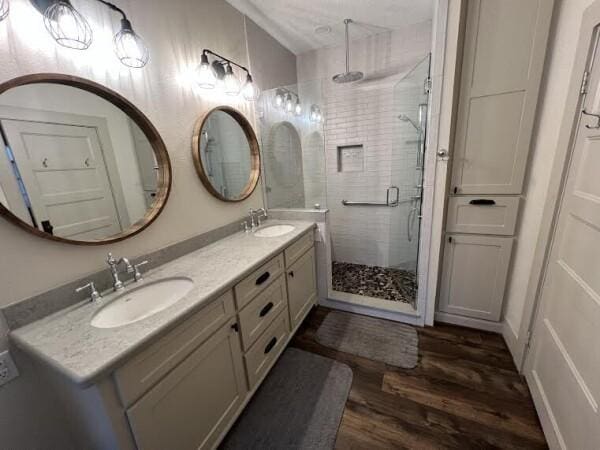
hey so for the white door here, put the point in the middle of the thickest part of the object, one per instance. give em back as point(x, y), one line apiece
point(563, 365)
point(64, 173)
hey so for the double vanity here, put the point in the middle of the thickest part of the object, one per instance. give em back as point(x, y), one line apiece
point(172, 360)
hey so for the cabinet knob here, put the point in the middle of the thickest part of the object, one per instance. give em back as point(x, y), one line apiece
point(291, 273)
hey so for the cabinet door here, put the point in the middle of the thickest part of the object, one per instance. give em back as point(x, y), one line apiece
point(302, 287)
point(474, 275)
point(192, 405)
point(503, 58)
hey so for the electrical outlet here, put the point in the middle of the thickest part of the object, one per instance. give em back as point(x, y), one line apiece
point(8, 370)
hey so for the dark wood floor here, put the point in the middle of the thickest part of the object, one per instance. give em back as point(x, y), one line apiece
point(464, 393)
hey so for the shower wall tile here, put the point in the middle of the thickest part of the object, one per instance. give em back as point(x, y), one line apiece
point(365, 113)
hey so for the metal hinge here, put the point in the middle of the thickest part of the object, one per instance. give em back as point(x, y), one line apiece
point(427, 85)
point(584, 83)
point(528, 339)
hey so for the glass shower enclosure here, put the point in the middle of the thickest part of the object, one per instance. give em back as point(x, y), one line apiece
point(389, 280)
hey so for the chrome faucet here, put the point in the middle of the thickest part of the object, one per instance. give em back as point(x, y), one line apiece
point(251, 213)
point(114, 270)
point(260, 213)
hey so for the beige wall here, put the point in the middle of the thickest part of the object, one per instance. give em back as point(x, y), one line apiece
point(272, 64)
point(563, 41)
point(175, 32)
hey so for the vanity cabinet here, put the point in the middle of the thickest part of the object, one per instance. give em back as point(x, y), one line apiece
point(186, 388)
point(192, 405)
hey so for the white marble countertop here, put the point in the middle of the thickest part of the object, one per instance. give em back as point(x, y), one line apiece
point(69, 343)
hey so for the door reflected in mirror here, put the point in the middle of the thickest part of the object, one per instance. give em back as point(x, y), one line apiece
point(75, 166)
point(226, 154)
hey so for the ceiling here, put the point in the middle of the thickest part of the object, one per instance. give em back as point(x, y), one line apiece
point(293, 22)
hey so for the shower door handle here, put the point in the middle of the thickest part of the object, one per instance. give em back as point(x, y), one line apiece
point(387, 196)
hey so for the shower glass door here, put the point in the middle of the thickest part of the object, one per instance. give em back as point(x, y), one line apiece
point(408, 154)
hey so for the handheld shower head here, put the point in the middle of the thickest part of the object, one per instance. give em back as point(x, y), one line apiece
point(405, 118)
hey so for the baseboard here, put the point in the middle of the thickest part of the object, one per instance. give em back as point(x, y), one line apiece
point(469, 322)
point(412, 319)
point(513, 344)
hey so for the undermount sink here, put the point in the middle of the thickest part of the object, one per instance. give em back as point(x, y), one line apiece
point(140, 302)
point(274, 230)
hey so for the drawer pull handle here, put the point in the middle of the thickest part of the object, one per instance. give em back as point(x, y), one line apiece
point(266, 309)
point(264, 277)
point(270, 345)
point(482, 202)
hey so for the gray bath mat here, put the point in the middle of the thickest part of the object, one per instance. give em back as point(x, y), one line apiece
point(299, 406)
point(377, 339)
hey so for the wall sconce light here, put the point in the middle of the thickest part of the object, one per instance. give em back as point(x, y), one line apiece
point(222, 69)
point(288, 100)
point(70, 29)
point(4, 9)
point(315, 114)
point(67, 26)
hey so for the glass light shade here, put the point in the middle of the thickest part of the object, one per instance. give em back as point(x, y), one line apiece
point(67, 26)
point(129, 47)
point(4, 9)
point(289, 104)
point(250, 91)
point(279, 99)
point(298, 108)
point(205, 77)
point(231, 83)
point(314, 113)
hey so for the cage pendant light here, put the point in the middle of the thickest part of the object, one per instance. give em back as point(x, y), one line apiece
point(130, 47)
point(67, 26)
point(4, 9)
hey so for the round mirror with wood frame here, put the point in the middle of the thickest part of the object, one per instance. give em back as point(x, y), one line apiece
point(79, 163)
point(226, 154)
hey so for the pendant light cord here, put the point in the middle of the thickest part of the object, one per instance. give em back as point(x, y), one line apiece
point(114, 8)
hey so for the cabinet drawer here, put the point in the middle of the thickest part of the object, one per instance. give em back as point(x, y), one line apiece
point(482, 215)
point(302, 287)
point(147, 368)
point(194, 403)
point(297, 249)
point(266, 349)
point(474, 275)
point(260, 312)
point(258, 280)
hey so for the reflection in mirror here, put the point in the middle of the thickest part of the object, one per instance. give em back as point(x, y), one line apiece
point(228, 162)
point(74, 166)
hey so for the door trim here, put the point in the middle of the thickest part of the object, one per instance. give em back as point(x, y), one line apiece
point(568, 129)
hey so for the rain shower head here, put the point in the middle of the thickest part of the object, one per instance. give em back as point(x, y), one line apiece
point(347, 76)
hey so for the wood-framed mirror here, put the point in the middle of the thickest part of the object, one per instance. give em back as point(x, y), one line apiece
point(79, 163)
point(226, 154)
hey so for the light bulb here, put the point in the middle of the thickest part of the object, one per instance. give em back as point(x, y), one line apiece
point(250, 91)
point(129, 47)
point(289, 105)
point(4, 9)
point(314, 110)
point(298, 108)
point(67, 26)
point(279, 99)
point(205, 77)
point(232, 84)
